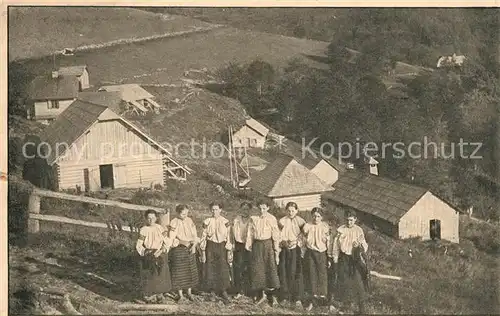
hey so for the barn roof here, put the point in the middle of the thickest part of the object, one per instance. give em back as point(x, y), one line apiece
point(379, 196)
point(286, 177)
point(75, 121)
point(129, 92)
point(72, 70)
point(257, 126)
point(70, 125)
point(47, 88)
point(305, 158)
point(112, 100)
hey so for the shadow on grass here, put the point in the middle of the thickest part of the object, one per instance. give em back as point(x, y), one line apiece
point(109, 270)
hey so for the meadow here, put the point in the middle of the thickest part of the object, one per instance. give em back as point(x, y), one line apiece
point(164, 61)
point(40, 31)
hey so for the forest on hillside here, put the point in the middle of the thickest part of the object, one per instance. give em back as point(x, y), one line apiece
point(416, 35)
point(349, 102)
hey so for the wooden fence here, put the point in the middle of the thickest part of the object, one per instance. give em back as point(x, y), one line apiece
point(35, 217)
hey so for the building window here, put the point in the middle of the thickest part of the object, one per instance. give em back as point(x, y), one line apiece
point(53, 104)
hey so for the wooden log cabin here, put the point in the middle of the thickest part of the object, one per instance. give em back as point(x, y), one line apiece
point(91, 147)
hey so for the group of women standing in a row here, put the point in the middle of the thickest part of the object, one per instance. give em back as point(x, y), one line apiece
point(285, 261)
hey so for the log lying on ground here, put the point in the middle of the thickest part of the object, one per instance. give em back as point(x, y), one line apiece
point(66, 300)
point(163, 307)
point(384, 276)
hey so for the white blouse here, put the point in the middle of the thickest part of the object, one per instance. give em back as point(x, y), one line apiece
point(152, 237)
point(216, 230)
point(291, 231)
point(345, 238)
point(317, 237)
point(240, 229)
point(183, 230)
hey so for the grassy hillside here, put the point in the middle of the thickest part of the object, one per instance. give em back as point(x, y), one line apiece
point(39, 31)
point(165, 60)
point(203, 115)
point(439, 278)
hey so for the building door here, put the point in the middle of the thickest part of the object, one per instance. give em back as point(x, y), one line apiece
point(106, 175)
point(86, 180)
point(435, 229)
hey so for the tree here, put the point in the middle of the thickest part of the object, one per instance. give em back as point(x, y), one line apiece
point(262, 73)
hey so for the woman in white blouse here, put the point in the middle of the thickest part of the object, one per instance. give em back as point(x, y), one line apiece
point(216, 249)
point(183, 266)
point(290, 264)
point(348, 248)
point(316, 252)
point(153, 245)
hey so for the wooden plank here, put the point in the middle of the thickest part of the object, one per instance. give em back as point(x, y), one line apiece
point(384, 276)
point(85, 199)
point(33, 208)
point(67, 220)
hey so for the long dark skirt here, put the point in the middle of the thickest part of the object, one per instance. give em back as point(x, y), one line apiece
point(290, 274)
point(217, 275)
point(350, 287)
point(183, 268)
point(263, 269)
point(241, 262)
point(315, 273)
point(154, 274)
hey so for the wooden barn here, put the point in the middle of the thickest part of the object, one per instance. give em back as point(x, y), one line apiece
point(49, 95)
point(394, 208)
point(91, 147)
point(80, 72)
point(139, 100)
point(285, 180)
point(252, 135)
point(327, 169)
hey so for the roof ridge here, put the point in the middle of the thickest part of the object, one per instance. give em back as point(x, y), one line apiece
point(281, 172)
point(93, 103)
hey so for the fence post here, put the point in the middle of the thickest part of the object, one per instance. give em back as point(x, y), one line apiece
point(33, 207)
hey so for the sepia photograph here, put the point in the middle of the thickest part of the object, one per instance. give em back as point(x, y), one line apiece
point(232, 160)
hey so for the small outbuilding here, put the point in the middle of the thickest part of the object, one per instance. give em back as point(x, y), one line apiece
point(327, 169)
point(139, 100)
point(80, 72)
point(397, 209)
point(285, 180)
point(252, 135)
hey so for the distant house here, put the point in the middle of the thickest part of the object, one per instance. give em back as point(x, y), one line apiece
point(49, 95)
point(397, 209)
point(327, 169)
point(285, 180)
point(91, 147)
point(81, 72)
point(252, 135)
point(139, 100)
point(450, 61)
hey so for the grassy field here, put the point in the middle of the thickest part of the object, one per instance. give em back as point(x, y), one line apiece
point(39, 31)
point(164, 61)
